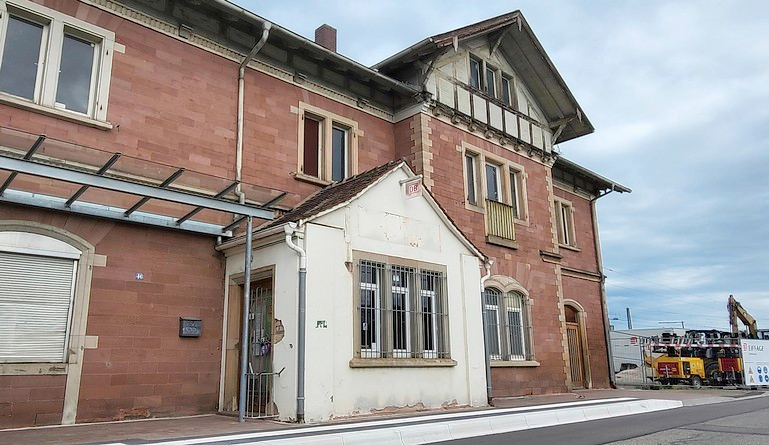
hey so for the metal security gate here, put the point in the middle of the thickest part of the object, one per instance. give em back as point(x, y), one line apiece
point(575, 355)
point(260, 377)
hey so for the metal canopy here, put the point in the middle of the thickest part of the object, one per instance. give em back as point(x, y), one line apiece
point(45, 173)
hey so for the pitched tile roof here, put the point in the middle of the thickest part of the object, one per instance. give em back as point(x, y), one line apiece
point(335, 194)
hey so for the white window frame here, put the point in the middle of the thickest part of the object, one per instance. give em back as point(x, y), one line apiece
point(56, 25)
point(471, 176)
point(432, 297)
point(375, 349)
point(503, 331)
point(510, 82)
point(328, 122)
point(521, 332)
point(413, 294)
point(405, 293)
point(496, 333)
point(476, 73)
point(564, 220)
point(516, 186)
point(345, 131)
point(491, 87)
point(497, 181)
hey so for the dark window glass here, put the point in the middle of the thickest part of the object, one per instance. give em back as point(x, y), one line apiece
point(506, 91)
point(428, 321)
point(514, 193)
point(74, 86)
point(21, 53)
point(492, 182)
point(475, 73)
point(311, 146)
point(400, 320)
point(368, 318)
point(491, 84)
point(470, 168)
point(491, 299)
point(338, 154)
point(369, 273)
point(516, 333)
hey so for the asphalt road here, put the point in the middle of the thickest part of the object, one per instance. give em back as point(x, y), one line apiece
point(742, 421)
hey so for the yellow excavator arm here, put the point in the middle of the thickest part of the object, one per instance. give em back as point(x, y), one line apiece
point(736, 311)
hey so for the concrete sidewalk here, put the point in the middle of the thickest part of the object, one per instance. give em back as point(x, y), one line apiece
point(570, 407)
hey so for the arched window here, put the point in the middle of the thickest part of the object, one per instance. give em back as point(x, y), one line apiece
point(507, 325)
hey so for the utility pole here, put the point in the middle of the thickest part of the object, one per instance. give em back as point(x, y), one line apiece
point(629, 319)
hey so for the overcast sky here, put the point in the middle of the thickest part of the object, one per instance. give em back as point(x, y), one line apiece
point(678, 92)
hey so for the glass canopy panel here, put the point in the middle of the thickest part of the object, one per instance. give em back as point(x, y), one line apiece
point(55, 172)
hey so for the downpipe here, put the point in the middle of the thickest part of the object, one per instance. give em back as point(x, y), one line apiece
point(487, 360)
point(241, 100)
point(290, 230)
point(244, 356)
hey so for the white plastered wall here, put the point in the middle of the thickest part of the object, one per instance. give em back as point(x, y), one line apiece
point(409, 229)
point(285, 265)
point(384, 222)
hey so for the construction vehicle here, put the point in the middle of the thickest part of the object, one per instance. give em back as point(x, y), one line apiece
point(676, 370)
point(708, 357)
point(736, 311)
point(697, 358)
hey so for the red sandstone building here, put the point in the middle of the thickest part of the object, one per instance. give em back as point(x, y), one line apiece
point(138, 138)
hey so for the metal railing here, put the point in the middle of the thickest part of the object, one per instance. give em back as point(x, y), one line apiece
point(259, 387)
point(499, 220)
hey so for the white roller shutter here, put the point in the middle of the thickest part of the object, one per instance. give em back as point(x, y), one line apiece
point(36, 294)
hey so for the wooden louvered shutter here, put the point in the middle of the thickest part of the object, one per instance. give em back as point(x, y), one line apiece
point(36, 294)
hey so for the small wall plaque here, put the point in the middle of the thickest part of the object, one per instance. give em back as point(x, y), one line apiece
point(190, 327)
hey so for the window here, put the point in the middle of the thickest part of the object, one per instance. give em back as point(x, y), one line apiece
point(491, 81)
point(500, 181)
point(493, 186)
point(328, 146)
point(475, 73)
point(339, 153)
point(401, 312)
point(564, 217)
point(471, 160)
point(37, 290)
point(507, 96)
point(53, 61)
point(507, 327)
point(515, 192)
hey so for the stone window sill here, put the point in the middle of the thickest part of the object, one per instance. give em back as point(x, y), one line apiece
point(33, 368)
point(514, 363)
point(311, 179)
point(54, 112)
point(402, 363)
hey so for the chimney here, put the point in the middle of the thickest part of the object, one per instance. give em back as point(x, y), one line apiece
point(325, 36)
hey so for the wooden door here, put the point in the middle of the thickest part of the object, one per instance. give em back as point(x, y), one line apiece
point(576, 363)
point(232, 353)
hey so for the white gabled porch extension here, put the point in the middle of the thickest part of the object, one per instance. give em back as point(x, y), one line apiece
point(393, 309)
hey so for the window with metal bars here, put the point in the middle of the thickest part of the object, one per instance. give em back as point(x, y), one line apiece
point(402, 312)
point(507, 325)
